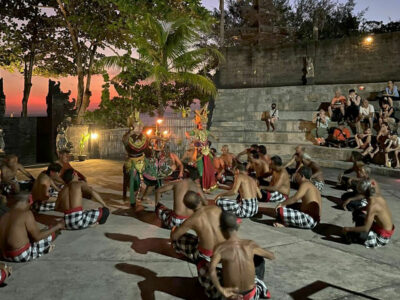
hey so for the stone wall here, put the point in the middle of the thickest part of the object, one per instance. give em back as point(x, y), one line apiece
point(347, 60)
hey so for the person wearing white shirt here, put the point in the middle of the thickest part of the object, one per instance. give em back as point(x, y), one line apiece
point(367, 113)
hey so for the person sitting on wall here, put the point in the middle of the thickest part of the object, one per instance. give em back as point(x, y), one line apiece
point(367, 113)
point(337, 108)
point(391, 91)
point(9, 183)
point(321, 132)
point(271, 117)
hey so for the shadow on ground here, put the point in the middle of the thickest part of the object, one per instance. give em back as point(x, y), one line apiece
point(178, 287)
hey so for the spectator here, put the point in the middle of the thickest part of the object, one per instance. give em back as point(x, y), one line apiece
point(386, 115)
point(363, 140)
point(271, 117)
point(337, 108)
point(392, 91)
point(341, 135)
point(381, 138)
point(392, 145)
point(353, 109)
point(367, 113)
point(320, 133)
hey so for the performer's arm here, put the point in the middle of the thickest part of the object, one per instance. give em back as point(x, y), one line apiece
point(181, 230)
point(233, 191)
point(367, 225)
point(25, 172)
point(34, 231)
point(296, 197)
point(162, 190)
point(263, 252)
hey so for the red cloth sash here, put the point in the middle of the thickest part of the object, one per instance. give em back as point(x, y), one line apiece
point(174, 215)
point(250, 294)
point(15, 253)
point(382, 232)
point(73, 210)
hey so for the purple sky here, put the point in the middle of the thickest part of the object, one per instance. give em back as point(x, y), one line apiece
point(379, 10)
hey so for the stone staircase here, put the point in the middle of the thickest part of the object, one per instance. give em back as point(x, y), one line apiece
point(237, 122)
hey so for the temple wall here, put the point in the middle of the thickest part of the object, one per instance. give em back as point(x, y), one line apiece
point(340, 61)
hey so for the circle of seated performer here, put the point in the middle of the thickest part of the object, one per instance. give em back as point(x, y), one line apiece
point(279, 188)
point(21, 239)
point(5, 272)
point(246, 206)
point(69, 202)
point(375, 227)
point(179, 213)
point(9, 183)
point(243, 264)
point(44, 192)
point(317, 177)
point(307, 215)
point(205, 222)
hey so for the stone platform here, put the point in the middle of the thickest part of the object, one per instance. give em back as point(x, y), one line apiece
point(130, 257)
point(236, 120)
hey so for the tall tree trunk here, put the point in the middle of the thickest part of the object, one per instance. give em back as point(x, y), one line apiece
point(160, 108)
point(87, 93)
point(28, 71)
point(222, 22)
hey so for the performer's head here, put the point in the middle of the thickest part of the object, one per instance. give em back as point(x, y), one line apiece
point(229, 224)
point(192, 200)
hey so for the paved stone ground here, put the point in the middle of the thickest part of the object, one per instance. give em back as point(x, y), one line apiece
point(129, 257)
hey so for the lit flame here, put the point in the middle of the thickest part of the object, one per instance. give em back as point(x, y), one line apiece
point(149, 132)
point(369, 39)
point(94, 136)
point(159, 121)
point(165, 133)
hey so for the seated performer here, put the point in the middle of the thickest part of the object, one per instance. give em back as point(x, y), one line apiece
point(296, 159)
point(247, 152)
point(247, 204)
point(260, 167)
point(243, 264)
point(358, 167)
point(5, 272)
point(227, 157)
point(317, 177)
point(63, 161)
point(199, 249)
point(262, 152)
point(20, 237)
point(175, 218)
point(279, 188)
point(44, 191)
point(375, 228)
point(308, 216)
point(9, 182)
point(69, 201)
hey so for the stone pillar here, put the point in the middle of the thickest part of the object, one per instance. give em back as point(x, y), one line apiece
point(2, 100)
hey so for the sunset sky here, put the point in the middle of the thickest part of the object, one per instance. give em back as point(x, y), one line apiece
point(13, 82)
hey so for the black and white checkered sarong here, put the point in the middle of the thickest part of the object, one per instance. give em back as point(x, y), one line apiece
point(168, 218)
point(30, 251)
point(245, 208)
point(39, 206)
point(273, 196)
point(80, 219)
point(295, 218)
point(319, 185)
point(375, 239)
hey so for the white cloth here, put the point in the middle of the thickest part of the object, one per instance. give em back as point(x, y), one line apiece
point(274, 113)
point(320, 124)
point(366, 111)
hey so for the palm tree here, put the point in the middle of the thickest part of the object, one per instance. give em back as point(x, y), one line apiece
point(168, 53)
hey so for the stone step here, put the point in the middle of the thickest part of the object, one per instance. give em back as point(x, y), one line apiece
point(262, 136)
point(251, 106)
point(256, 116)
point(281, 125)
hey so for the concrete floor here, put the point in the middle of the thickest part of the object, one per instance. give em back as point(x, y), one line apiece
point(130, 258)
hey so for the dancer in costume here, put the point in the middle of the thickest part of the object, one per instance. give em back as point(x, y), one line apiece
point(135, 143)
point(202, 155)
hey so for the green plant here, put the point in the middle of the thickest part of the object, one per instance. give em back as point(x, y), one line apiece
point(82, 142)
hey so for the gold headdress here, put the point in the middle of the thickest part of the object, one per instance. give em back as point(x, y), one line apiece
point(134, 119)
point(201, 115)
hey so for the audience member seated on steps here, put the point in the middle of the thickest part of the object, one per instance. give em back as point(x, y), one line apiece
point(279, 188)
point(337, 108)
point(375, 227)
point(5, 272)
point(341, 136)
point(243, 264)
point(391, 91)
point(363, 140)
point(392, 145)
point(321, 121)
point(307, 216)
point(44, 192)
point(367, 113)
point(386, 115)
point(353, 107)
point(70, 202)
point(246, 205)
point(205, 222)
point(175, 217)
point(381, 138)
point(9, 183)
point(317, 177)
point(271, 117)
point(21, 239)
point(358, 167)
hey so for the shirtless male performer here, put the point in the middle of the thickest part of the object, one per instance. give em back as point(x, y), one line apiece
point(227, 157)
point(247, 205)
point(308, 216)
point(243, 264)
point(63, 161)
point(279, 188)
point(296, 159)
point(69, 201)
point(375, 228)
point(260, 167)
point(44, 191)
point(21, 240)
point(205, 222)
point(317, 177)
point(9, 182)
point(176, 216)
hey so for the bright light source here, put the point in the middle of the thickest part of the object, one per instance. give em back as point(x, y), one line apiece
point(369, 39)
point(159, 121)
point(149, 132)
point(165, 133)
point(361, 87)
point(94, 136)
